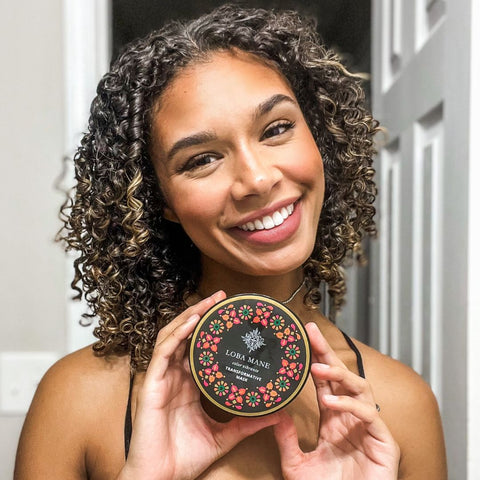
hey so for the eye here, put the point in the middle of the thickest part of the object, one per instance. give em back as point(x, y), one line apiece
point(277, 129)
point(199, 161)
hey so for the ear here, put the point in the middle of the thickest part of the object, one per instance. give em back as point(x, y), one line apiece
point(170, 215)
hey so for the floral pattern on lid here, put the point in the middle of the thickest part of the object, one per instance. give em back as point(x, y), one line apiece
point(258, 381)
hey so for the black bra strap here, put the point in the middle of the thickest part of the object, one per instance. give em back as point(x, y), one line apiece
point(361, 370)
point(127, 432)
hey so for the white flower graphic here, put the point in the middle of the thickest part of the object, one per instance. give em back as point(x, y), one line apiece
point(253, 340)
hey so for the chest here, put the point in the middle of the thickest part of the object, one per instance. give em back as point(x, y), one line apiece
point(256, 457)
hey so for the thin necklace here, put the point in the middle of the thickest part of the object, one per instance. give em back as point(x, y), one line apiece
point(288, 300)
point(292, 296)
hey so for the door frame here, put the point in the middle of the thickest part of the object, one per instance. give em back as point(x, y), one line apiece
point(473, 295)
point(87, 47)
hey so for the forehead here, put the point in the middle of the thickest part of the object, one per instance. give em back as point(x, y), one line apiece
point(225, 86)
point(222, 71)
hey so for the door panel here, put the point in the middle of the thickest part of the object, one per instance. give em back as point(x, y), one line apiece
point(420, 93)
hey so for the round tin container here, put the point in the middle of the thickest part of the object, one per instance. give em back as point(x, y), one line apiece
point(250, 355)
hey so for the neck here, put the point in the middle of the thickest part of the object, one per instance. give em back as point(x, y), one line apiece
point(279, 287)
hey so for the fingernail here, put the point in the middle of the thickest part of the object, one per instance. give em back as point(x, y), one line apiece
point(323, 365)
point(330, 398)
point(194, 318)
point(218, 295)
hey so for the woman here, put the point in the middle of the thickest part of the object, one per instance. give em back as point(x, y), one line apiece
point(231, 154)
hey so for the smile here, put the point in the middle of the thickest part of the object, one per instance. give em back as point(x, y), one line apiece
point(269, 221)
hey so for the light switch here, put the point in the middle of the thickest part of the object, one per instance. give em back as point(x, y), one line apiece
point(20, 374)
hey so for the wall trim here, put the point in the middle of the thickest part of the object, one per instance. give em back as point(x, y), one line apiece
point(87, 43)
point(473, 365)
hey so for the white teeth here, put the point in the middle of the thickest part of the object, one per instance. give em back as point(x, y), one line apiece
point(269, 221)
point(259, 225)
point(277, 218)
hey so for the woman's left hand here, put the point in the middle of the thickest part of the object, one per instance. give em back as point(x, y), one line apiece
point(353, 441)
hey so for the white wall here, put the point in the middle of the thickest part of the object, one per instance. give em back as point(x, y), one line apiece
point(32, 280)
point(473, 415)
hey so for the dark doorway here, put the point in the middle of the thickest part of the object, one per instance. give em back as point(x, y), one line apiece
point(343, 24)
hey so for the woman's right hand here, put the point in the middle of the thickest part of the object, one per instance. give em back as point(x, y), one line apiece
point(173, 437)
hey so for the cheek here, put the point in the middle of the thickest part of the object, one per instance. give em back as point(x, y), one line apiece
point(309, 168)
point(196, 206)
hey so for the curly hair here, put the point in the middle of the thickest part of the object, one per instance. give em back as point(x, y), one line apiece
point(133, 267)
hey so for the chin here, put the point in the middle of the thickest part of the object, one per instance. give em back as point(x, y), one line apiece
point(273, 267)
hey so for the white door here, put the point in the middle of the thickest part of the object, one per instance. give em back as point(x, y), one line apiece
point(87, 53)
point(422, 59)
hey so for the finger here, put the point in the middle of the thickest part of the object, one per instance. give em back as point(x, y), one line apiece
point(171, 338)
point(341, 380)
point(180, 352)
point(164, 351)
point(158, 356)
point(322, 385)
point(287, 440)
point(366, 412)
point(231, 433)
point(199, 308)
point(321, 350)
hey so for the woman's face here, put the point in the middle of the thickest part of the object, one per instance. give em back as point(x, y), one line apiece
point(238, 165)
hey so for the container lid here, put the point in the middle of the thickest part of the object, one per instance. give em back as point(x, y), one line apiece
point(250, 355)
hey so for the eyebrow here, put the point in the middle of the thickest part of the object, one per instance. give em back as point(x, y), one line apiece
point(208, 136)
point(269, 104)
point(190, 141)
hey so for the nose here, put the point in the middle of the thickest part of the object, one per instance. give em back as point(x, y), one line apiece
point(255, 174)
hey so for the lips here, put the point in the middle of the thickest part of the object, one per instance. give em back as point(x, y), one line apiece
point(269, 233)
point(270, 221)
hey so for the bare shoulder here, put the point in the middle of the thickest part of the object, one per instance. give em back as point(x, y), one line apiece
point(81, 381)
point(80, 398)
point(88, 369)
point(393, 382)
point(410, 410)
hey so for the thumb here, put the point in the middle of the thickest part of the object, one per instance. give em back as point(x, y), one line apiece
point(287, 441)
